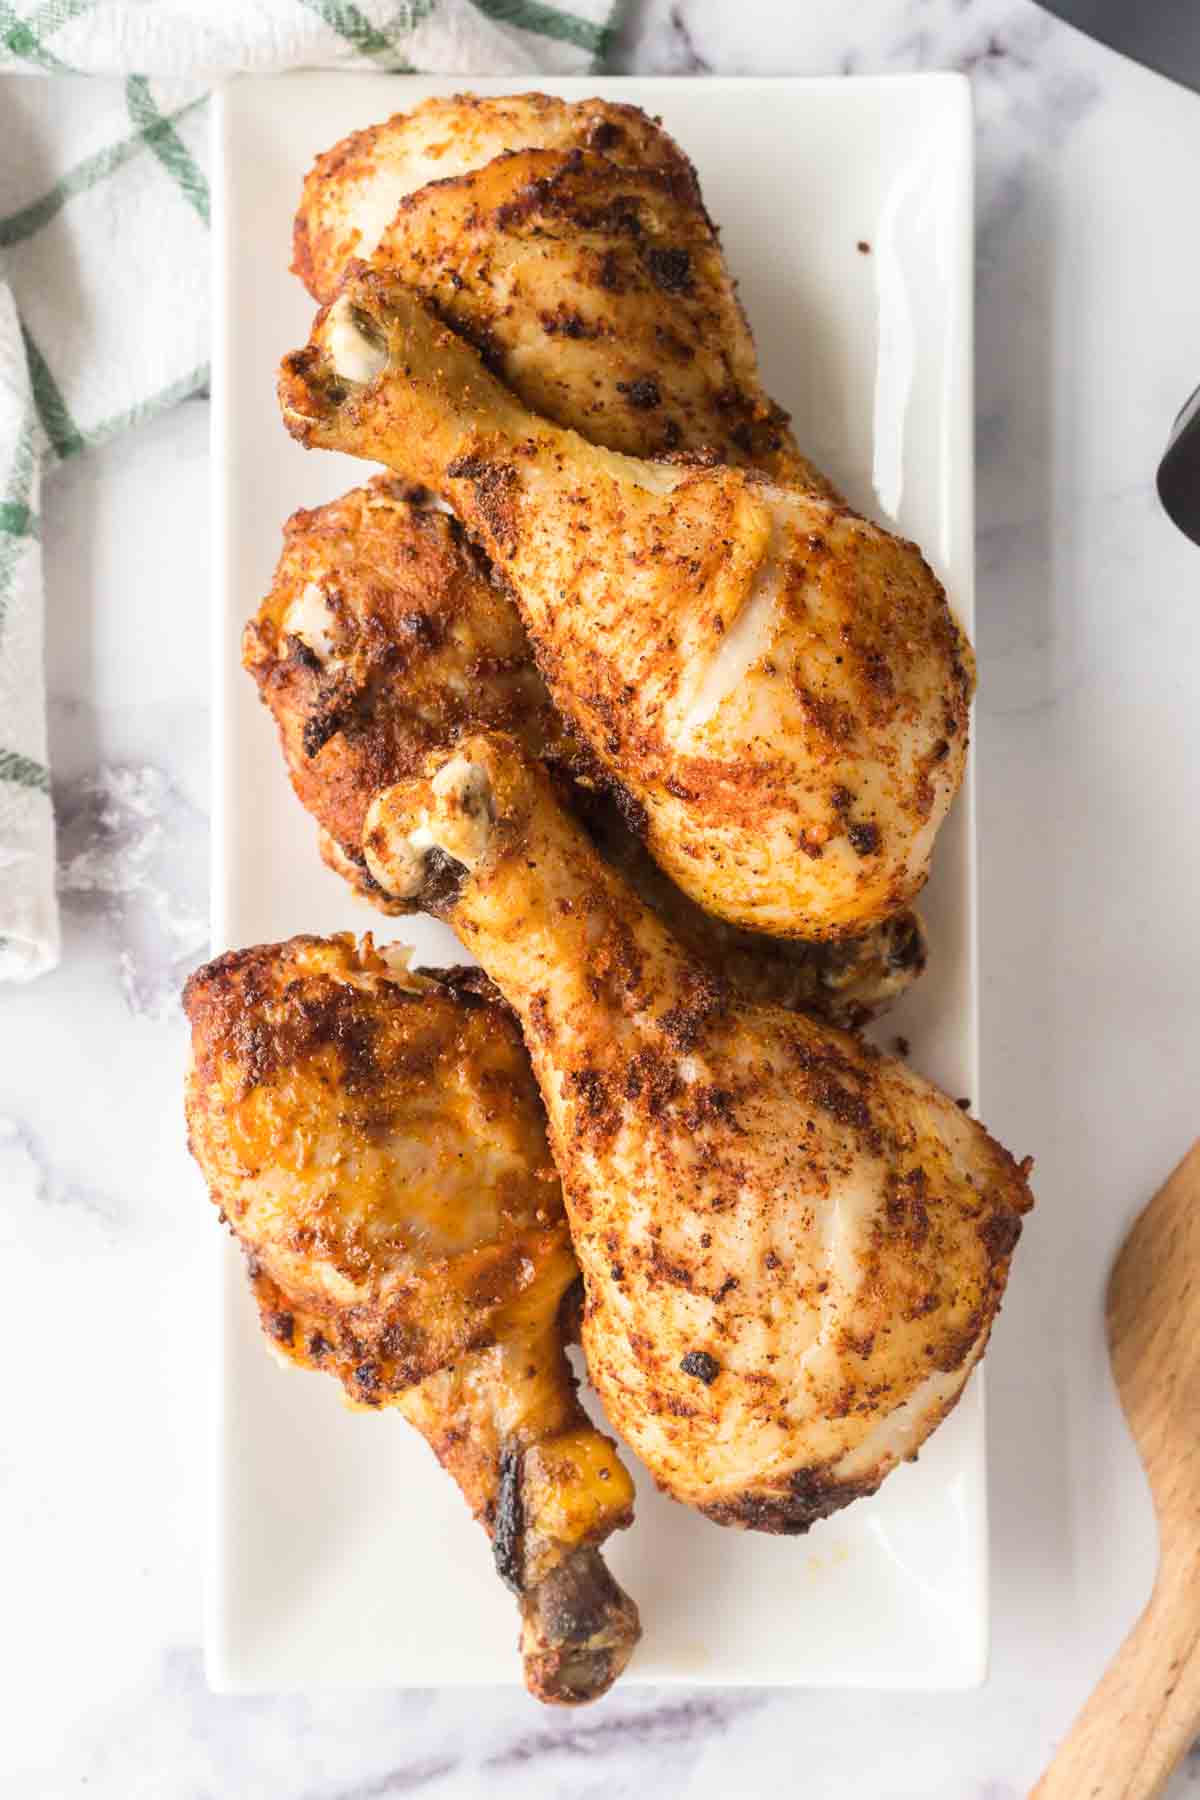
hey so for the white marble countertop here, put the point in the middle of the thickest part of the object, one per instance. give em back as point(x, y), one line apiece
point(1088, 747)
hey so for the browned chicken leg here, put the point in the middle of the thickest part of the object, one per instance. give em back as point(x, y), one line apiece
point(353, 191)
point(569, 242)
point(793, 1247)
point(385, 636)
point(780, 685)
point(374, 1140)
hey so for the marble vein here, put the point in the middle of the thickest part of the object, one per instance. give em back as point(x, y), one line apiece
point(680, 1722)
point(129, 848)
point(38, 1189)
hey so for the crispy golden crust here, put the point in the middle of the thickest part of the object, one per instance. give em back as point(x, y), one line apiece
point(600, 295)
point(353, 191)
point(847, 982)
point(410, 642)
point(424, 648)
point(376, 1143)
point(569, 241)
point(793, 1247)
point(355, 1213)
point(780, 684)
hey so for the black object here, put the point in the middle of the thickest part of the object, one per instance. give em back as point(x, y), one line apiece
point(1179, 471)
point(1163, 34)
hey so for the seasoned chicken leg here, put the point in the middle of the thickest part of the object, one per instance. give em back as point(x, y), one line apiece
point(845, 981)
point(793, 1247)
point(569, 242)
point(375, 1141)
point(779, 684)
point(353, 192)
point(385, 636)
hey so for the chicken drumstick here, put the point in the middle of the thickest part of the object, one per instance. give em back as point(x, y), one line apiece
point(779, 684)
point(375, 1141)
point(569, 241)
point(385, 636)
point(793, 1247)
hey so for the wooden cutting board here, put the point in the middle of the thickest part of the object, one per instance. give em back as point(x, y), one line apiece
point(1145, 1714)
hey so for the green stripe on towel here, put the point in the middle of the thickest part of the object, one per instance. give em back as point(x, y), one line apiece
point(85, 175)
point(16, 520)
point(14, 544)
point(162, 138)
point(344, 17)
point(65, 436)
point(20, 38)
point(194, 382)
point(549, 22)
point(24, 771)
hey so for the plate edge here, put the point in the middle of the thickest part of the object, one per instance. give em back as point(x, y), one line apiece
point(218, 1666)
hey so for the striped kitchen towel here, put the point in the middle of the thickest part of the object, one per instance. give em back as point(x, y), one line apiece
point(104, 212)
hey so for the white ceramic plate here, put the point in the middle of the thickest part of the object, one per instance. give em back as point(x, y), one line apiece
point(341, 1552)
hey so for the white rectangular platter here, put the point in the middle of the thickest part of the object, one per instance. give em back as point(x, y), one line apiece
point(341, 1554)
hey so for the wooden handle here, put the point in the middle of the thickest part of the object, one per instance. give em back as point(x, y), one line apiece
point(1145, 1714)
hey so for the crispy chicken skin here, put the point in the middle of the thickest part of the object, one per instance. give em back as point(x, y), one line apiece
point(352, 192)
point(793, 1247)
point(778, 683)
point(375, 1141)
point(846, 981)
point(569, 242)
point(385, 636)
